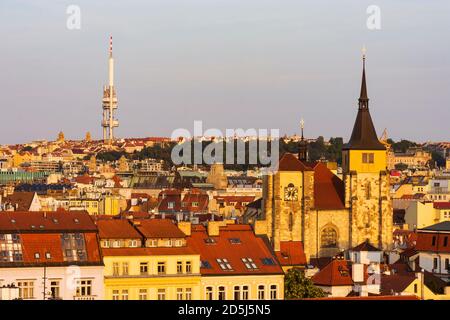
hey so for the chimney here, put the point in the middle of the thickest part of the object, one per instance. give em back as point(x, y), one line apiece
point(358, 272)
point(213, 228)
point(185, 227)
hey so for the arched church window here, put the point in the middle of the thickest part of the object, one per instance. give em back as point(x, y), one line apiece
point(328, 238)
point(291, 221)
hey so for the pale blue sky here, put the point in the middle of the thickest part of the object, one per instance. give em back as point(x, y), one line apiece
point(230, 63)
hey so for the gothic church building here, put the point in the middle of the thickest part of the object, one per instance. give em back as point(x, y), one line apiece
point(308, 212)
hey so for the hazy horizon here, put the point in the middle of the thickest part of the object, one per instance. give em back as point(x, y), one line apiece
point(232, 64)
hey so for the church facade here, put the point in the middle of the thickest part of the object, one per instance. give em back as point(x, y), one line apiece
point(309, 212)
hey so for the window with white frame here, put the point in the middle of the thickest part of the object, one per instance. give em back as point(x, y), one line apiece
point(188, 266)
point(84, 288)
point(54, 289)
point(261, 292)
point(142, 294)
point(115, 294)
point(273, 292)
point(188, 293)
point(26, 289)
point(179, 293)
point(237, 293)
point(115, 268)
point(161, 294)
point(221, 293)
point(209, 293)
point(125, 268)
point(161, 267)
point(124, 294)
point(143, 268)
point(245, 292)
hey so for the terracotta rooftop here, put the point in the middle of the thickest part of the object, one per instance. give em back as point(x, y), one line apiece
point(23, 200)
point(291, 253)
point(365, 246)
point(238, 249)
point(117, 229)
point(33, 221)
point(159, 228)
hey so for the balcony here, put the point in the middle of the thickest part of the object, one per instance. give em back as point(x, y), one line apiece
point(84, 297)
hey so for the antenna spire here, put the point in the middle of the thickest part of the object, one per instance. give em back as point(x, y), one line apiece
point(110, 46)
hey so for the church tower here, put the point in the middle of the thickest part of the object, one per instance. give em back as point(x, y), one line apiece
point(303, 145)
point(367, 190)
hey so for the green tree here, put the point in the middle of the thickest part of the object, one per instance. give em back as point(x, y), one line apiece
point(437, 159)
point(297, 286)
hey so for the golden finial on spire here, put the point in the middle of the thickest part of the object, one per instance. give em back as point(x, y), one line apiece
point(364, 51)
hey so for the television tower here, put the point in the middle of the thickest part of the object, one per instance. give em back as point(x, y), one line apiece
point(109, 102)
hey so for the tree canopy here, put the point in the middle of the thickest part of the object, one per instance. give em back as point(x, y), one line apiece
point(297, 286)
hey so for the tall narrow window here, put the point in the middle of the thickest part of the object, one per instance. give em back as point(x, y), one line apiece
point(161, 294)
point(368, 191)
point(328, 238)
point(188, 294)
point(142, 294)
point(273, 292)
point(261, 292)
point(291, 221)
point(209, 293)
point(221, 293)
point(179, 293)
point(125, 268)
point(237, 293)
point(245, 293)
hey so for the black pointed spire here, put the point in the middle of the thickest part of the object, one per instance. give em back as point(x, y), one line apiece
point(364, 136)
point(363, 98)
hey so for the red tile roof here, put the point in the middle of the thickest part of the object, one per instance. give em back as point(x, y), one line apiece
point(117, 229)
point(84, 179)
point(159, 228)
point(290, 162)
point(336, 273)
point(23, 200)
point(244, 244)
point(365, 246)
point(441, 205)
point(425, 242)
point(291, 253)
point(329, 190)
point(13, 221)
point(201, 199)
point(395, 283)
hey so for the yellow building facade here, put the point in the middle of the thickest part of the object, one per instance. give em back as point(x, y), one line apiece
point(138, 276)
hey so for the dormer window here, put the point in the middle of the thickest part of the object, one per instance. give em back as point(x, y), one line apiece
point(224, 264)
point(235, 240)
point(249, 263)
point(210, 241)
